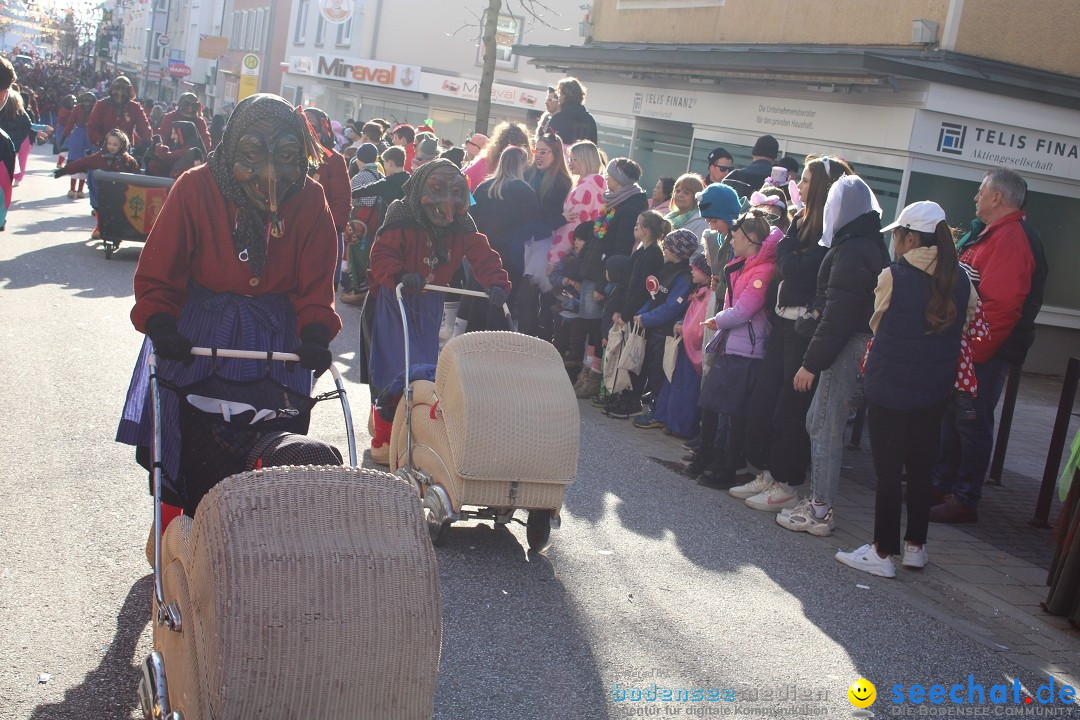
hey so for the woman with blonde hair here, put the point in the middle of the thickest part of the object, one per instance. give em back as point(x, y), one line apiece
point(505, 135)
point(585, 201)
point(684, 213)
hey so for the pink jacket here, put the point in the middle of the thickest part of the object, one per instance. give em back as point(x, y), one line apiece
point(692, 330)
point(587, 201)
point(743, 317)
point(477, 172)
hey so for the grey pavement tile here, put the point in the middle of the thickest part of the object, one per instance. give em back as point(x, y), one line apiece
point(981, 574)
point(1013, 594)
point(1027, 575)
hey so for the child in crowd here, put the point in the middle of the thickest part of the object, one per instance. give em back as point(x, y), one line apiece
point(114, 158)
point(677, 406)
point(566, 280)
point(923, 302)
point(646, 260)
point(741, 332)
point(668, 290)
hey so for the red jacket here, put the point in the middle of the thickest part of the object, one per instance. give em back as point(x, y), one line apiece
point(334, 178)
point(107, 115)
point(98, 161)
point(403, 250)
point(1001, 266)
point(191, 241)
point(165, 128)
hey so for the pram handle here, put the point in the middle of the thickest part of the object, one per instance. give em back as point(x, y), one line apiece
point(169, 614)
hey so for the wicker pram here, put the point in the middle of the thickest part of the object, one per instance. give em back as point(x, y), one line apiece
point(295, 591)
point(498, 430)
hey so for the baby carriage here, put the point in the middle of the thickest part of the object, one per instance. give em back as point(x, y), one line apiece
point(296, 590)
point(496, 432)
point(128, 205)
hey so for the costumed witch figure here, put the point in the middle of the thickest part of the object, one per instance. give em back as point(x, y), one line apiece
point(242, 256)
point(423, 240)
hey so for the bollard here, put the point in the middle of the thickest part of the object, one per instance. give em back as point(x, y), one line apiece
point(1012, 389)
point(1057, 445)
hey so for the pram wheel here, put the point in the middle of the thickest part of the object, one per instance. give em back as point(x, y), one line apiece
point(109, 249)
point(439, 531)
point(538, 529)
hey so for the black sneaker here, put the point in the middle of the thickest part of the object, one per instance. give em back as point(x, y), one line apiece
point(601, 401)
point(624, 407)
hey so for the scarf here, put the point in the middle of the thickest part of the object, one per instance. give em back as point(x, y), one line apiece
point(251, 235)
point(678, 219)
point(615, 198)
point(407, 213)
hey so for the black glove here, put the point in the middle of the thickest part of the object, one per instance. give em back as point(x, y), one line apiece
point(314, 350)
point(496, 296)
point(59, 172)
point(169, 344)
point(412, 281)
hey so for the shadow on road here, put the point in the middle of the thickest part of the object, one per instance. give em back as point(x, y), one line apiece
point(73, 265)
point(109, 690)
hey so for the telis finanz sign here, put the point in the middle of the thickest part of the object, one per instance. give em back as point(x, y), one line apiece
point(986, 143)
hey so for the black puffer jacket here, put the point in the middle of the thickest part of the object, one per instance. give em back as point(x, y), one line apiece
point(618, 240)
point(845, 289)
point(798, 268)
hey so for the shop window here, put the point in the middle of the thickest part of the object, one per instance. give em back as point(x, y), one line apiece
point(1056, 217)
point(699, 159)
point(300, 35)
point(661, 148)
point(614, 141)
point(344, 33)
point(507, 34)
point(320, 31)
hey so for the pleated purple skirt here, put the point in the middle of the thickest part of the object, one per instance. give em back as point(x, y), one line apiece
point(216, 320)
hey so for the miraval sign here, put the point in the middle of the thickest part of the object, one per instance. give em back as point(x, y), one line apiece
point(365, 72)
point(1022, 149)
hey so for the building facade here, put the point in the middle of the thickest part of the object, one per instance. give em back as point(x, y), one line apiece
point(393, 61)
point(912, 92)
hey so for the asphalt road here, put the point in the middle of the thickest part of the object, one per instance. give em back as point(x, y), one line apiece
point(652, 579)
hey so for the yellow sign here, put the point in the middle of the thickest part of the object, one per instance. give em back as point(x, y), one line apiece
point(212, 47)
point(249, 76)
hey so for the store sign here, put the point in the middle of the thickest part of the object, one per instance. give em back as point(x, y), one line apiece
point(365, 72)
point(664, 104)
point(987, 143)
point(212, 47)
point(179, 70)
point(469, 89)
point(337, 12)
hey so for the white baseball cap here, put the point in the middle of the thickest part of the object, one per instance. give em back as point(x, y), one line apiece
point(922, 216)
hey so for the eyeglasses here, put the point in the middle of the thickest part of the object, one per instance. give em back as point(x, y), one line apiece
point(723, 168)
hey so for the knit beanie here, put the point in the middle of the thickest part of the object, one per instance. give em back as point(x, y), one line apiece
point(367, 153)
point(700, 262)
point(720, 202)
point(682, 243)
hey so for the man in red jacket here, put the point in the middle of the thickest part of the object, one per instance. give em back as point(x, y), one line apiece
point(1004, 257)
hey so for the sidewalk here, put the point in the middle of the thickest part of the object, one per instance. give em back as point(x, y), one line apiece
point(986, 579)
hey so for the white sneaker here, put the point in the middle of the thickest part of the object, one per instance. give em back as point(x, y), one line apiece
point(759, 484)
point(798, 506)
point(803, 519)
point(914, 556)
point(867, 560)
point(71, 194)
point(774, 498)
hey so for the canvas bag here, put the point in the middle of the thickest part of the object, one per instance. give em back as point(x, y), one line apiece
point(671, 355)
point(615, 380)
point(633, 350)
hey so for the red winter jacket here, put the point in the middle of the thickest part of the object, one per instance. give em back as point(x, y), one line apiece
point(108, 115)
point(399, 250)
point(1000, 264)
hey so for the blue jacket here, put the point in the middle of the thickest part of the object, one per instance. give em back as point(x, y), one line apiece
point(669, 303)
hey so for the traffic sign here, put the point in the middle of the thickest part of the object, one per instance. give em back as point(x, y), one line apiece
point(163, 40)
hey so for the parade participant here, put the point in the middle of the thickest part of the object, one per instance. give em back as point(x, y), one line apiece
point(119, 110)
point(114, 157)
point(63, 116)
point(242, 256)
point(77, 141)
point(423, 240)
point(188, 109)
point(184, 150)
point(7, 148)
point(333, 175)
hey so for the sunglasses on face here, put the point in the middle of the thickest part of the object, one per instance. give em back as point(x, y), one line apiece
point(723, 168)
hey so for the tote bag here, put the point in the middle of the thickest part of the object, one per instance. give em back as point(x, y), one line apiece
point(671, 354)
point(615, 380)
point(633, 350)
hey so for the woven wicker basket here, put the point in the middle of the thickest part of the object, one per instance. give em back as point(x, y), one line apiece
point(305, 592)
point(499, 427)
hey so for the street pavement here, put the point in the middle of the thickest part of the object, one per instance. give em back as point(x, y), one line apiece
point(652, 580)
